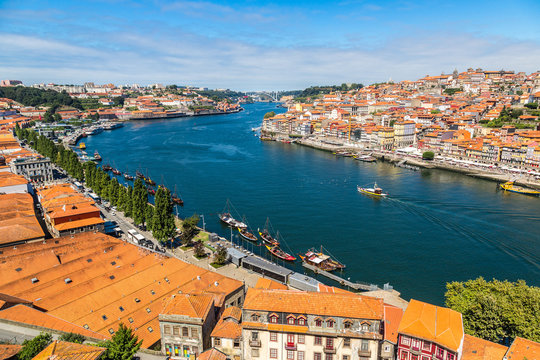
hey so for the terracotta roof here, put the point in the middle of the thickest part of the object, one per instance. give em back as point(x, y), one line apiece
point(327, 304)
point(194, 306)
point(10, 179)
point(523, 349)
point(479, 349)
point(228, 329)
point(212, 354)
point(266, 283)
point(232, 312)
point(17, 219)
point(9, 351)
point(437, 324)
point(392, 318)
point(28, 315)
point(63, 350)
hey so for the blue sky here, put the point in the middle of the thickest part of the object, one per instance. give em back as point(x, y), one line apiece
point(255, 45)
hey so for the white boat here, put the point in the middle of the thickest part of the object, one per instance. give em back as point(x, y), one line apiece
point(374, 191)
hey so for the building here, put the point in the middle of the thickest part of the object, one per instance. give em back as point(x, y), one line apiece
point(523, 349)
point(68, 350)
point(392, 319)
point(35, 168)
point(95, 282)
point(18, 222)
point(9, 352)
point(429, 331)
point(14, 184)
point(479, 349)
point(404, 133)
point(67, 211)
point(297, 325)
point(10, 82)
point(186, 322)
point(227, 334)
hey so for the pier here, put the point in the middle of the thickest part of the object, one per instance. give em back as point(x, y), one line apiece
point(340, 280)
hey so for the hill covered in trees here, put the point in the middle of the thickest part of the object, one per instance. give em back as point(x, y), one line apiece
point(29, 96)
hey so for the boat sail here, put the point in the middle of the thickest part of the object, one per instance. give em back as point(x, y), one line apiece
point(265, 235)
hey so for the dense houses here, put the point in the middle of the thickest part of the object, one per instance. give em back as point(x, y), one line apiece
point(450, 115)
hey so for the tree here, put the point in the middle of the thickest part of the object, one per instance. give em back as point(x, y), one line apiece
point(428, 155)
point(163, 227)
point(269, 114)
point(496, 310)
point(198, 249)
point(72, 337)
point(220, 256)
point(31, 348)
point(532, 105)
point(123, 345)
point(189, 228)
point(139, 199)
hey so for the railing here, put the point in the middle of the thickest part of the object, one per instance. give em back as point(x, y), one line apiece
point(290, 346)
point(255, 343)
point(364, 353)
point(329, 350)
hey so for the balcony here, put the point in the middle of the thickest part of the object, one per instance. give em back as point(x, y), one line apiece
point(416, 351)
point(255, 343)
point(290, 346)
point(364, 353)
point(329, 350)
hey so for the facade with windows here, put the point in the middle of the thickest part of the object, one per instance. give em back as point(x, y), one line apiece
point(36, 169)
point(292, 325)
point(227, 335)
point(186, 322)
point(429, 332)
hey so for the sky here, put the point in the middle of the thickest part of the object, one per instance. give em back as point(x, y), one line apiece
point(256, 45)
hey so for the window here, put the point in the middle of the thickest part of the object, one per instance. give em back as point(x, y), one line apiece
point(317, 356)
point(387, 348)
point(330, 323)
point(329, 343)
point(290, 355)
point(121, 308)
point(347, 342)
point(273, 319)
point(176, 330)
point(254, 336)
point(273, 353)
point(329, 357)
point(236, 344)
point(450, 356)
point(150, 329)
point(416, 344)
point(301, 355)
point(194, 333)
point(148, 310)
point(273, 336)
point(168, 349)
point(318, 322)
point(365, 327)
point(185, 332)
point(104, 317)
point(217, 341)
point(347, 324)
point(318, 340)
point(86, 326)
point(345, 357)
point(301, 339)
point(404, 355)
point(365, 345)
point(301, 321)
point(195, 350)
point(290, 320)
point(405, 340)
point(111, 331)
point(426, 345)
point(255, 352)
point(130, 320)
point(254, 317)
point(440, 352)
point(167, 329)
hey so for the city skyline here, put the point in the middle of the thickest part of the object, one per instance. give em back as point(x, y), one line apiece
point(254, 46)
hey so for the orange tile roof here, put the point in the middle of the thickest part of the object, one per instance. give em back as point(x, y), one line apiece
point(232, 312)
point(479, 349)
point(326, 304)
point(63, 350)
point(437, 324)
point(523, 349)
point(18, 221)
point(10, 179)
point(194, 306)
point(28, 315)
point(392, 318)
point(266, 283)
point(212, 354)
point(227, 329)
point(9, 351)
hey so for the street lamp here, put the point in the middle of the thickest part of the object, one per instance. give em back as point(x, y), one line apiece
point(203, 223)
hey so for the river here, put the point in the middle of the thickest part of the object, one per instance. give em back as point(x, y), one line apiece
point(435, 226)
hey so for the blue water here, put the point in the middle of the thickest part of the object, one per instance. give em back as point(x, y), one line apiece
point(435, 227)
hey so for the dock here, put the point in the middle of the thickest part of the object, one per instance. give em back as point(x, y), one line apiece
point(340, 280)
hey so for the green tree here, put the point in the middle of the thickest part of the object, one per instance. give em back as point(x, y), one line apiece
point(149, 217)
point(198, 250)
point(123, 345)
point(189, 228)
point(428, 155)
point(220, 256)
point(269, 114)
point(139, 199)
point(496, 310)
point(31, 348)
point(72, 337)
point(163, 227)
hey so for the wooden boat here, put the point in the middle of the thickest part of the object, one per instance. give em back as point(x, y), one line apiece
point(151, 191)
point(139, 174)
point(128, 177)
point(176, 199)
point(266, 237)
point(116, 171)
point(247, 235)
point(82, 146)
point(374, 191)
point(149, 181)
point(106, 167)
point(277, 252)
point(366, 158)
point(509, 186)
point(321, 260)
point(226, 217)
point(97, 157)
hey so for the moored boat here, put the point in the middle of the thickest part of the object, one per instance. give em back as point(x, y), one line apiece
point(82, 146)
point(128, 177)
point(247, 235)
point(230, 221)
point(509, 186)
point(366, 158)
point(374, 191)
point(97, 157)
point(151, 191)
point(139, 174)
point(266, 237)
point(276, 251)
point(116, 171)
point(176, 198)
point(106, 167)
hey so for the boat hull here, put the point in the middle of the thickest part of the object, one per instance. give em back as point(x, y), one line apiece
point(247, 235)
point(277, 252)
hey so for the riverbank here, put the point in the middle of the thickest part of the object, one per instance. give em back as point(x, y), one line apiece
point(496, 175)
